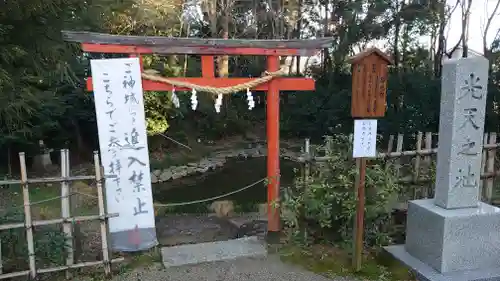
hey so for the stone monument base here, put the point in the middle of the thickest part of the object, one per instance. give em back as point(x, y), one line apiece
point(427, 273)
point(461, 244)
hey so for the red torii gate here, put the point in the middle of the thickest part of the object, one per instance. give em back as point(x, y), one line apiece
point(135, 46)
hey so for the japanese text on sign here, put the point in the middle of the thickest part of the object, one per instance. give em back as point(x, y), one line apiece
point(365, 138)
point(123, 142)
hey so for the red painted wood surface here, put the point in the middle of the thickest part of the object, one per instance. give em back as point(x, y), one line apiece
point(284, 84)
point(273, 146)
point(207, 67)
point(124, 49)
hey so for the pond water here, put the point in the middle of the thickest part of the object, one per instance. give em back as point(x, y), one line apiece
point(235, 174)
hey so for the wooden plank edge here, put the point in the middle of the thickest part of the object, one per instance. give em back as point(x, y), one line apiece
point(195, 50)
point(102, 38)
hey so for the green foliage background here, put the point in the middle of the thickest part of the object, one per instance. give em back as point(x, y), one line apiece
point(42, 94)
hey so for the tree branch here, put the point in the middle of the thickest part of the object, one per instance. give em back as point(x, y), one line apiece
point(446, 21)
point(465, 28)
point(487, 27)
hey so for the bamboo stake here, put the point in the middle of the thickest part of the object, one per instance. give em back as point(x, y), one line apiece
point(305, 180)
point(428, 161)
point(58, 268)
point(307, 150)
point(396, 154)
point(102, 212)
point(57, 221)
point(77, 235)
point(416, 173)
point(1, 261)
point(47, 180)
point(27, 217)
point(481, 194)
point(490, 168)
point(65, 211)
point(390, 144)
point(399, 149)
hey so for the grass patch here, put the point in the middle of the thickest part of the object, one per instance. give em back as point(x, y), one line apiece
point(145, 258)
point(333, 262)
point(42, 205)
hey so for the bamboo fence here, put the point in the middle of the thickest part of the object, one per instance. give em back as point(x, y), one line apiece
point(414, 159)
point(67, 219)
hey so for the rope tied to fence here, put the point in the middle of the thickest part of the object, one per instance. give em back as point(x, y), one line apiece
point(211, 198)
point(267, 76)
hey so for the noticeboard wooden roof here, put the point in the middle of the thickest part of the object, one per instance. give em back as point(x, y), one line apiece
point(358, 57)
point(171, 45)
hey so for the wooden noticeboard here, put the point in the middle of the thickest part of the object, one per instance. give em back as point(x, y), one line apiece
point(369, 83)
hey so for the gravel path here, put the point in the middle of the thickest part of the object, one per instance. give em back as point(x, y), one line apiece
point(245, 269)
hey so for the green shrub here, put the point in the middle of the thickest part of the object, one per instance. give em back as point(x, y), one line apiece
point(50, 248)
point(323, 206)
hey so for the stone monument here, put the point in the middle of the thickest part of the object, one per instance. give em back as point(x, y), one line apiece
point(454, 236)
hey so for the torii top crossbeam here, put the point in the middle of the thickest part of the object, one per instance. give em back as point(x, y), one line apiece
point(107, 43)
point(207, 48)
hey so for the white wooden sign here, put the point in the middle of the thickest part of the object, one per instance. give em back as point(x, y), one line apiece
point(123, 143)
point(365, 138)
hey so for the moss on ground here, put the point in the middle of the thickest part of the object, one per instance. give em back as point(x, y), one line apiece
point(332, 262)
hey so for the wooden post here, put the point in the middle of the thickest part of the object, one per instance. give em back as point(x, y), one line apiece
point(368, 100)
point(484, 156)
point(273, 149)
point(65, 210)
point(1, 260)
point(428, 161)
point(390, 144)
point(77, 234)
point(399, 148)
point(102, 214)
point(307, 150)
point(305, 181)
point(360, 214)
point(207, 66)
point(27, 216)
point(490, 169)
point(416, 171)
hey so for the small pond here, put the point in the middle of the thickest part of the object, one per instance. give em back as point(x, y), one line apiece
point(235, 174)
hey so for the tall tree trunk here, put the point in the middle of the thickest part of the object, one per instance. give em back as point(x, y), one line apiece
point(186, 58)
point(325, 34)
point(397, 30)
point(299, 31)
point(223, 61)
point(486, 48)
point(395, 100)
point(465, 26)
point(438, 58)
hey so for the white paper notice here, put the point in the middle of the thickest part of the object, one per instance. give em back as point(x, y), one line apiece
point(365, 138)
point(123, 143)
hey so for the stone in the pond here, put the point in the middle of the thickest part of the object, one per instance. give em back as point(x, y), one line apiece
point(154, 179)
point(202, 169)
point(166, 175)
point(223, 208)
